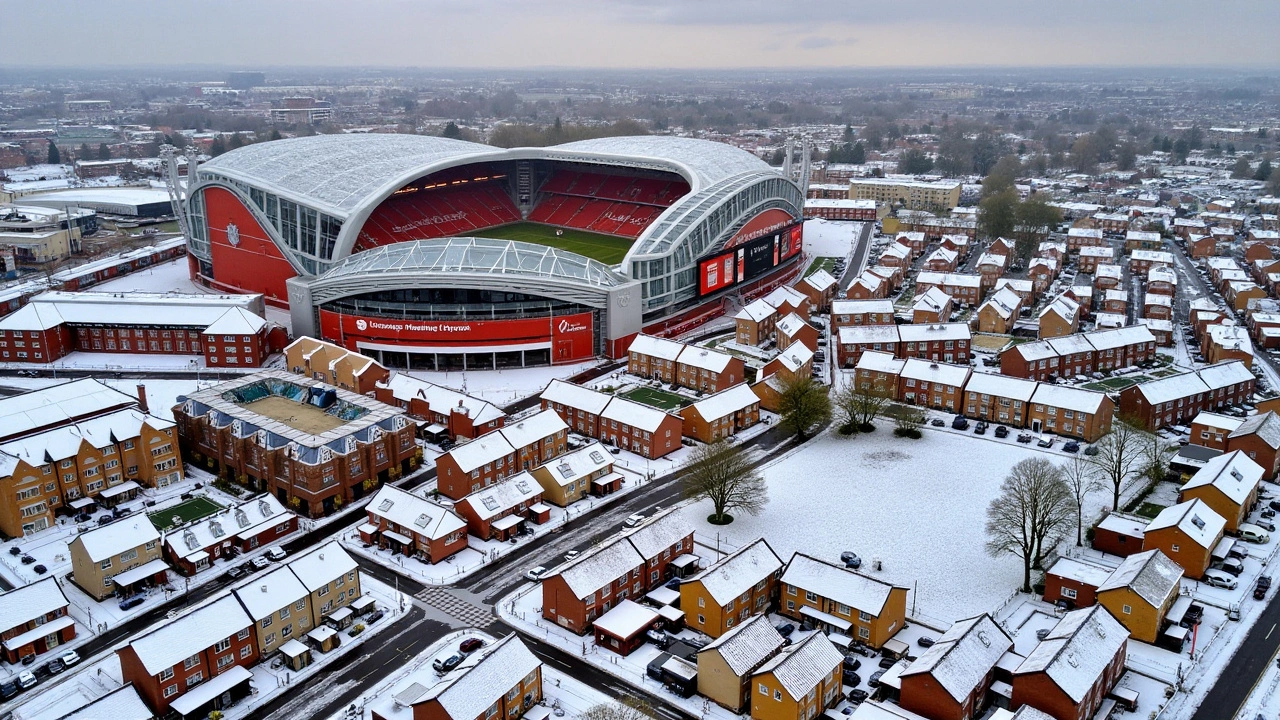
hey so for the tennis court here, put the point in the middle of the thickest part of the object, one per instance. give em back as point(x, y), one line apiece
point(185, 512)
point(660, 399)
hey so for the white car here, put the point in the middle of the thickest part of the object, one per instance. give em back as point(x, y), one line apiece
point(259, 562)
point(536, 573)
point(277, 554)
point(1254, 534)
point(571, 555)
point(633, 521)
point(1218, 578)
point(69, 658)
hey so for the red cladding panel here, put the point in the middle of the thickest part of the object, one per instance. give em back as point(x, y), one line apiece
point(253, 263)
point(570, 336)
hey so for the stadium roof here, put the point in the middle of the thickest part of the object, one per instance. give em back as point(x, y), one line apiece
point(478, 255)
point(708, 162)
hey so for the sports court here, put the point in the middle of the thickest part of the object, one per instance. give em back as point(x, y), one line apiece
point(185, 512)
point(660, 399)
point(605, 248)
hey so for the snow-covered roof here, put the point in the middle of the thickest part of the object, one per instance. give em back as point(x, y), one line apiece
point(1064, 307)
point(320, 566)
point(1221, 375)
point(820, 280)
point(1081, 572)
point(1001, 386)
point(503, 496)
point(1129, 525)
point(236, 321)
point(117, 537)
point(722, 404)
point(703, 161)
point(1231, 337)
point(1225, 374)
point(833, 582)
point(1097, 251)
point(244, 520)
point(876, 361)
point(1234, 474)
point(65, 441)
point(801, 667)
point(1018, 285)
point(1162, 274)
point(1265, 425)
point(408, 510)
point(27, 602)
point(963, 656)
point(713, 361)
point(567, 468)
point(896, 250)
point(1120, 337)
point(756, 311)
point(1084, 232)
point(634, 414)
point(791, 324)
point(658, 533)
point(928, 332)
point(931, 300)
point(861, 307)
point(936, 372)
point(736, 572)
point(123, 703)
point(533, 428)
point(1004, 302)
point(191, 632)
point(626, 619)
point(483, 679)
point(576, 396)
point(1151, 574)
point(20, 414)
point(1195, 519)
point(1068, 398)
point(441, 399)
point(795, 356)
point(1153, 256)
point(1216, 420)
point(747, 645)
point(656, 347)
point(988, 258)
point(598, 567)
point(946, 255)
point(1108, 270)
point(948, 279)
point(1077, 650)
point(270, 592)
point(1156, 299)
point(103, 308)
point(786, 294)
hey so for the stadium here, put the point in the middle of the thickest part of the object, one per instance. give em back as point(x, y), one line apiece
point(432, 253)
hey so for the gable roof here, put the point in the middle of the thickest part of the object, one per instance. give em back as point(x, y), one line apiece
point(318, 567)
point(1234, 475)
point(1195, 519)
point(594, 569)
point(1265, 425)
point(736, 572)
point(176, 640)
point(482, 679)
point(833, 582)
point(745, 646)
point(410, 511)
point(25, 603)
point(1077, 650)
point(963, 656)
point(1151, 574)
point(800, 667)
point(109, 540)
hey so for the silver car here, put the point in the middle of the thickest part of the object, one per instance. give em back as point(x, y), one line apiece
point(1218, 578)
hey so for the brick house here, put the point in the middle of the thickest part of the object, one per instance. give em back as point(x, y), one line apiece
point(1258, 437)
point(931, 384)
point(999, 312)
point(820, 287)
point(966, 290)
point(196, 647)
point(931, 306)
point(1140, 592)
point(867, 286)
point(1079, 238)
point(998, 399)
point(1228, 484)
point(100, 555)
point(1202, 246)
point(334, 365)
point(447, 412)
point(1162, 281)
point(36, 619)
point(575, 475)
point(1069, 411)
point(1074, 581)
point(410, 525)
point(616, 421)
point(1187, 532)
point(739, 585)
point(839, 600)
point(1156, 306)
point(1107, 277)
point(1083, 353)
point(853, 341)
point(1226, 342)
point(754, 323)
point(1042, 272)
point(791, 329)
point(941, 342)
point(241, 528)
point(799, 682)
point(796, 361)
point(951, 679)
point(511, 449)
point(500, 682)
point(497, 511)
point(1060, 317)
point(332, 578)
point(721, 415)
point(1092, 256)
point(1178, 398)
point(879, 373)
point(1119, 534)
point(845, 313)
point(941, 260)
point(1210, 430)
point(1071, 671)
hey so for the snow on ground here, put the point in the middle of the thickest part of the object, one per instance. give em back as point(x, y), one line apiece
point(917, 506)
point(479, 552)
point(502, 387)
point(162, 395)
point(830, 238)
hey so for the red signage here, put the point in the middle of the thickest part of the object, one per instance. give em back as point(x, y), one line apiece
point(569, 336)
point(720, 272)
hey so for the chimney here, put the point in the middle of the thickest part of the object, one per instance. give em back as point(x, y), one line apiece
point(142, 397)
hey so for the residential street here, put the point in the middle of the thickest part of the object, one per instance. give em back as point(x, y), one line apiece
point(1244, 671)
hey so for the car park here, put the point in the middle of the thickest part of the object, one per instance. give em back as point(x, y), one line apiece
point(633, 520)
point(1254, 534)
point(1002, 431)
point(277, 554)
point(470, 645)
point(132, 601)
point(536, 574)
point(1218, 578)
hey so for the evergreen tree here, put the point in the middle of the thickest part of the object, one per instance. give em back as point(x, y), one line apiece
point(1263, 172)
point(104, 152)
point(1242, 168)
point(218, 147)
point(83, 153)
point(55, 157)
point(858, 156)
point(236, 141)
point(451, 130)
point(275, 134)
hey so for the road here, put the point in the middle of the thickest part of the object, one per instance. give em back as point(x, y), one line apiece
point(1245, 669)
point(859, 254)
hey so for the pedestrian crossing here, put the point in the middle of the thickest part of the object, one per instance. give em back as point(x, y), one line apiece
point(441, 599)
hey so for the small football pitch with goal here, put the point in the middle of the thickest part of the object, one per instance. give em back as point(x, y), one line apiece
point(184, 512)
point(661, 399)
point(605, 248)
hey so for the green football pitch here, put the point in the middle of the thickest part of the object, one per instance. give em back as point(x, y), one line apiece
point(660, 399)
point(185, 512)
point(605, 248)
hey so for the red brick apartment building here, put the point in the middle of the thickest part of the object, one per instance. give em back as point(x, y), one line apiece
point(228, 330)
point(1068, 675)
point(689, 366)
point(514, 448)
point(951, 679)
point(409, 525)
point(1084, 353)
point(1179, 398)
point(617, 421)
point(449, 413)
point(222, 429)
point(34, 619)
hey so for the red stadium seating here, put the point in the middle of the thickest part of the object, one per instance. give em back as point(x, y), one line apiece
point(436, 213)
point(608, 204)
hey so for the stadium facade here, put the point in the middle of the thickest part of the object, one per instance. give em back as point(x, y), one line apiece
point(372, 241)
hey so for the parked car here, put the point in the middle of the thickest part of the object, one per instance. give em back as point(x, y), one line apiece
point(938, 422)
point(1267, 513)
point(1254, 534)
point(1264, 581)
point(849, 677)
point(447, 664)
point(27, 680)
point(1260, 588)
point(470, 645)
point(980, 428)
point(874, 680)
point(852, 662)
point(633, 520)
point(374, 617)
point(857, 695)
point(1274, 505)
point(1218, 578)
point(925, 641)
point(1071, 447)
point(887, 662)
point(1046, 441)
point(84, 517)
point(1193, 616)
point(1025, 437)
point(260, 562)
point(1091, 450)
point(1002, 431)
point(132, 601)
point(55, 666)
point(9, 689)
point(277, 553)
point(1233, 566)
point(960, 423)
point(850, 559)
point(785, 629)
point(235, 572)
point(1265, 524)
point(536, 574)
point(1237, 551)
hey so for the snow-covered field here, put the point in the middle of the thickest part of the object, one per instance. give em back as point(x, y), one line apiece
point(830, 238)
point(162, 395)
point(917, 506)
point(502, 387)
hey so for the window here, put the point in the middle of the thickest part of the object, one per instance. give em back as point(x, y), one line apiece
point(166, 674)
point(246, 651)
point(764, 690)
point(777, 695)
point(266, 622)
point(864, 633)
point(1126, 609)
point(222, 645)
point(170, 690)
point(195, 679)
point(1068, 593)
point(191, 662)
point(243, 634)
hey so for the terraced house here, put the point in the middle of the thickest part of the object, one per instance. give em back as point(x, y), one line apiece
point(34, 619)
point(741, 584)
point(840, 600)
point(518, 447)
point(799, 682)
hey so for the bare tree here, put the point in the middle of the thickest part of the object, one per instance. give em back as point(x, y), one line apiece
point(1155, 457)
point(720, 472)
point(804, 404)
point(1033, 509)
point(858, 407)
point(1081, 477)
point(1120, 453)
point(630, 708)
point(908, 421)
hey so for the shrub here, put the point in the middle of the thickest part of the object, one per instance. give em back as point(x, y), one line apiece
point(866, 427)
point(912, 433)
point(847, 429)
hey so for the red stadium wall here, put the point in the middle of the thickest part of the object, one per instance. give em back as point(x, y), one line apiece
point(570, 336)
point(252, 265)
point(766, 222)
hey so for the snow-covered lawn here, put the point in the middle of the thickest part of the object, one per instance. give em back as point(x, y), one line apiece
point(162, 395)
point(916, 506)
point(502, 387)
point(830, 238)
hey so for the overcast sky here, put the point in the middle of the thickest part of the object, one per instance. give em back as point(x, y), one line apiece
point(642, 33)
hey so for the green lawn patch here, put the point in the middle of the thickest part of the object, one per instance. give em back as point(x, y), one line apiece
point(185, 512)
point(1149, 510)
point(660, 399)
point(821, 263)
point(605, 248)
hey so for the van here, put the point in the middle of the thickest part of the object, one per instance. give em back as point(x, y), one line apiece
point(1254, 534)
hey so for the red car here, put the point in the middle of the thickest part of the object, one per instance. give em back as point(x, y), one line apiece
point(471, 645)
